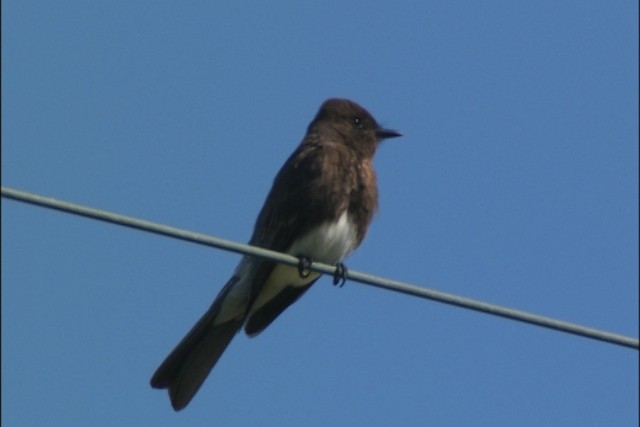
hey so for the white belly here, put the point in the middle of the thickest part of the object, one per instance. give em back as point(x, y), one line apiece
point(328, 243)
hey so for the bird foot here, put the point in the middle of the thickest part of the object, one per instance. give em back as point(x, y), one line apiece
point(304, 266)
point(340, 275)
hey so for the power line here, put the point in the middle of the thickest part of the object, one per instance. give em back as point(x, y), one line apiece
point(379, 282)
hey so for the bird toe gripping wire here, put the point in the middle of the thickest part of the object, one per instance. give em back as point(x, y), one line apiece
point(304, 266)
point(340, 275)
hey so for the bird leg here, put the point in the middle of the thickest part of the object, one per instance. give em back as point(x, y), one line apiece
point(340, 275)
point(304, 266)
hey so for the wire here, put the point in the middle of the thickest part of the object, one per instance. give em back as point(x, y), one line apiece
point(392, 285)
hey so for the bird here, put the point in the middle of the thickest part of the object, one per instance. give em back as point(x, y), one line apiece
point(319, 208)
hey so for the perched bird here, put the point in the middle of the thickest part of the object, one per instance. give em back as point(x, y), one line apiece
point(319, 208)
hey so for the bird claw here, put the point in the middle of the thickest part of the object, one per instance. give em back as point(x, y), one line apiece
point(304, 266)
point(340, 275)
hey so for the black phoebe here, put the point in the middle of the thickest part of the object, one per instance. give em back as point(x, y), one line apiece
point(319, 207)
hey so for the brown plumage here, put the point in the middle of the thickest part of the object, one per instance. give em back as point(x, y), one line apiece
point(320, 205)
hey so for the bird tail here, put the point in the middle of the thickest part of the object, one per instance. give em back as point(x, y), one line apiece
point(189, 364)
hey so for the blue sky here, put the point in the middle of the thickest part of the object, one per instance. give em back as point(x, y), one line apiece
point(516, 183)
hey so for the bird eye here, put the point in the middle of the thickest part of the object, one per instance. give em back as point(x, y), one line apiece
point(357, 122)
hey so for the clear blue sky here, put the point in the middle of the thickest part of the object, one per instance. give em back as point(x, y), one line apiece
point(516, 183)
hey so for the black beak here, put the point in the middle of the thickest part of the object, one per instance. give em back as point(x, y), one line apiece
point(387, 133)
